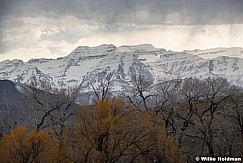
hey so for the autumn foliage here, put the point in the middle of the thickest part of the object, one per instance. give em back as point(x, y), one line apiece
point(116, 132)
point(21, 146)
point(111, 131)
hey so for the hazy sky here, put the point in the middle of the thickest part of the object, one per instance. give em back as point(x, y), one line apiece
point(53, 28)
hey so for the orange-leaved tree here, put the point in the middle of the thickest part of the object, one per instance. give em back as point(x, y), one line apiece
point(22, 146)
point(113, 131)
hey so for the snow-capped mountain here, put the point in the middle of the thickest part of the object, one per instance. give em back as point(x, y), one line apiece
point(96, 62)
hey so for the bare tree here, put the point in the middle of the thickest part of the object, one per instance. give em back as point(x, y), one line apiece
point(141, 81)
point(204, 103)
point(102, 88)
point(165, 102)
point(233, 111)
point(216, 92)
point(194, 112)
point(49, 110)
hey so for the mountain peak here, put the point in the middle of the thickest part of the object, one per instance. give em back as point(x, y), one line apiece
point(141, 47)
point(87, 51)
point(103, 46)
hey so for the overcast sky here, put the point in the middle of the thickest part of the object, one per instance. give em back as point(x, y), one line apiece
point(53, 28)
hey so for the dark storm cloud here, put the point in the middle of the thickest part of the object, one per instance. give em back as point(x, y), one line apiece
point(132, 11)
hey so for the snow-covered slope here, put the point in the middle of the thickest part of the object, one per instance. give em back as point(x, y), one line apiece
point(97, 62)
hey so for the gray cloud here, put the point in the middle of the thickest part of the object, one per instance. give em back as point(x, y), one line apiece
point(70, 36)
point(132, 11)
point(57, 26)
